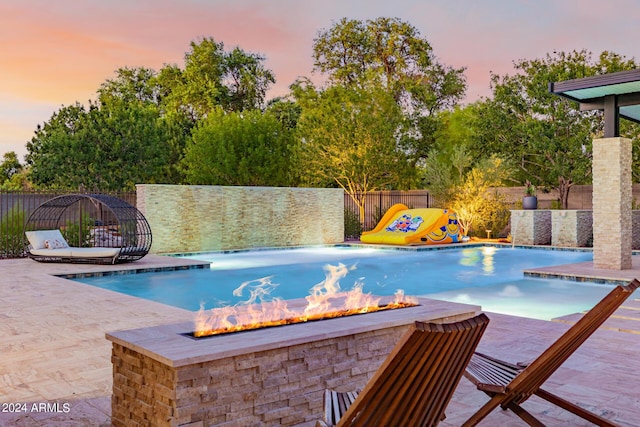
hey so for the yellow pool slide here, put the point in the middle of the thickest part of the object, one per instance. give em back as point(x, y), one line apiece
point(426, 226)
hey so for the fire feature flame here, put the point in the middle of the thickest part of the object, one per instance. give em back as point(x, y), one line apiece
point(325, 300)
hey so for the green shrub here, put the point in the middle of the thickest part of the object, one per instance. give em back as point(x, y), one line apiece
point(12, 238)
point(79, 234)
point(378, 213)
point(352, 226)
point(494, 215)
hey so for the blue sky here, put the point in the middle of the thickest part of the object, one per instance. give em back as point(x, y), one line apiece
point(56, 53)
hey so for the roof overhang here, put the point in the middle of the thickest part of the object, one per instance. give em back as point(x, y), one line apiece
point(618, 94)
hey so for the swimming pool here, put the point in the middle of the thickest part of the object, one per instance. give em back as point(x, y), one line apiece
point(489, 276)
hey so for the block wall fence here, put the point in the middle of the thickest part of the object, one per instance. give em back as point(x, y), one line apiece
point(197, 218)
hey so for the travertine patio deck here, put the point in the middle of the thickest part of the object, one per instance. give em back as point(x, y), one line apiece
point(53, 351)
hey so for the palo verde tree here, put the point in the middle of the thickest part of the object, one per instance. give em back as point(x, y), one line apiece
point(391, 54)
point(351, 138)
point(546, 136)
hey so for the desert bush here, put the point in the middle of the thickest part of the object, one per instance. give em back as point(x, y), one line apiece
point(12, 238)
point(352, 225)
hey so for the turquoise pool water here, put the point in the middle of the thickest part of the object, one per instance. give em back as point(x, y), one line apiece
point(489, 276)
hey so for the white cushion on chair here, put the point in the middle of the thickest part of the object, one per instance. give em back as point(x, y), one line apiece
point(49, 239)
point(72, 252)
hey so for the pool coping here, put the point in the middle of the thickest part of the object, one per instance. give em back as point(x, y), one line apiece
point(82, 275)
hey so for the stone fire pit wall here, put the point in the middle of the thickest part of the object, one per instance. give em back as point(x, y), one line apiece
point(270, 377)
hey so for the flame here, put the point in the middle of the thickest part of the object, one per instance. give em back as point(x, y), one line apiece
point(325, 300)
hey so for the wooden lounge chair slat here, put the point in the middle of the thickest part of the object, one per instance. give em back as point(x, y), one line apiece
point(445, 382)
point(489, 374)
point(510, 385)
point(416, 381)
point(428, 377)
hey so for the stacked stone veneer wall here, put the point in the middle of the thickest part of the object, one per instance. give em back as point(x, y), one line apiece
point(281, 387)
point(210, 218)
point(531, 227)
point(571, 228)
point(269, 377)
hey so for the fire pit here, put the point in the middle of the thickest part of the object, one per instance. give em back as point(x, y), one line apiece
point(273, 376)
point(321, 305)
point(295, 318)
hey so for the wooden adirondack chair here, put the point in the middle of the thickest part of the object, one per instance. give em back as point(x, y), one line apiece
point(416, 381)
point(510, 385)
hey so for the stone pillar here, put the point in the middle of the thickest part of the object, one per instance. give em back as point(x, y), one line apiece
point(531, 227)
point(612, 197)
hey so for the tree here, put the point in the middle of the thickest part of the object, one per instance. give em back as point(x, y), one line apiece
point(213, 78)
point(138, 128)
point(248, 148)
point(391, 54)
point(10, 166)
point(246, 80)
point(350, 138)
point(54, 149)
point(286, 111)
point(110, 146)
point(548, 138)
point(477, 203)
point(460, 181)
point(131, 85)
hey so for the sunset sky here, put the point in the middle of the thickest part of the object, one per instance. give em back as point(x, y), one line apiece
point(54, 53)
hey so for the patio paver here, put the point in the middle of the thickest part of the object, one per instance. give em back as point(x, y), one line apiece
point(53, 351)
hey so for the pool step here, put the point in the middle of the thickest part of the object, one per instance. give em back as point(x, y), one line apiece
point(625, 319)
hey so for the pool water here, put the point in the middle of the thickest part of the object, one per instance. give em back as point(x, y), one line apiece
point(488, 276)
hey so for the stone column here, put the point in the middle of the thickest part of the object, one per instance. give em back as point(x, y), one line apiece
point(612, 197)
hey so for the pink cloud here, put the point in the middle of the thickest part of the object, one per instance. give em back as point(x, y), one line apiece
point(51, 54)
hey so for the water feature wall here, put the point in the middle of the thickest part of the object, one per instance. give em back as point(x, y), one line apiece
point(572, 228)
point(563, 228)
point(195, 218)
point(531, 227)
